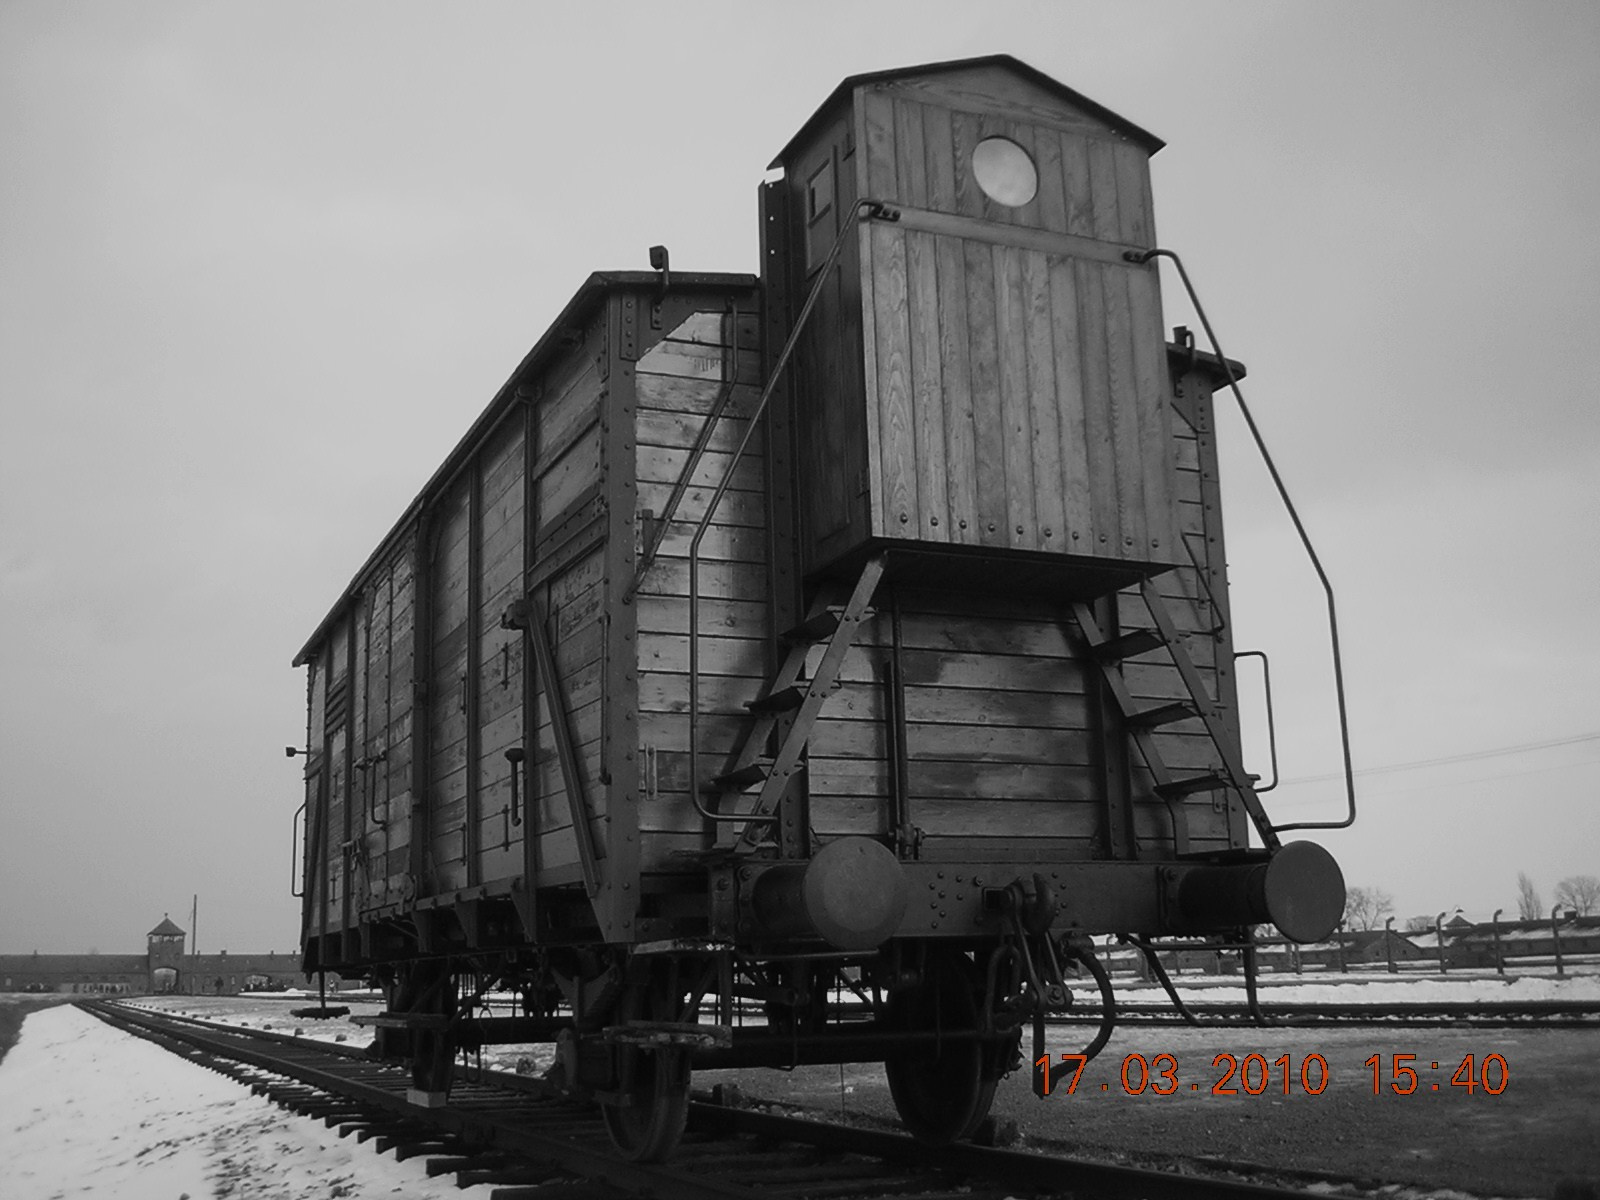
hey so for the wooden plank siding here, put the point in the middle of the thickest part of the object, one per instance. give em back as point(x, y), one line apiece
point(383, 787)
point(999, 728)
point(675, 396)
point(1042, 431)
point(502, 653)
point(1011, 379)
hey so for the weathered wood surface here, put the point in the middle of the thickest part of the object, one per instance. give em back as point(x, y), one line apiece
point(1012, 389)
point(1019, 397)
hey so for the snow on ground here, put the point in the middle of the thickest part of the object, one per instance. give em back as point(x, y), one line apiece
point(86, 1110)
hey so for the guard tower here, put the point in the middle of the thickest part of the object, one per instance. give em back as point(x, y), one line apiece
point(165, 942)
point(984, 373)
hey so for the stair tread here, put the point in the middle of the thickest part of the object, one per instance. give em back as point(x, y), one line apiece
point(813, 629)
point(1162, 714)
point(1127, 645)
point(1191, 784)
point(783, 700)
point(744, 777)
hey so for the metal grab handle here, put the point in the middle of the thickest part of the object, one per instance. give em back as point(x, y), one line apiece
point(514, 756)
point(1272, 725)
point(1144, 256)
point(369, 789)
point(294, 864)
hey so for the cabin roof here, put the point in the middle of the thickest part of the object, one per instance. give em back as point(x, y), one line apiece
point(165, 929)
point(1010, 63)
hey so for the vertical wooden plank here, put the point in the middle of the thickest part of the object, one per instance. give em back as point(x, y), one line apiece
point(939, 154)
point(533, 683)
point(1154, 411)
point(1099, 446)
point(1076, 185)
point(851, 459)
point(955, 374)
point(473, 676)
point(964, 137)
point(1045, 444)
point(616, 830)
point(1132, 174)
point(1014, 416)
point(1133, 540)
point(911, 169)
point(983, 356)
point(422, 716)
point(1103, 189)
point(1147, 200)
point(1023, 135)
point(896, 436)
point(1052, 201)
point(1066, 325)
point(927, 390)
point(877, 113)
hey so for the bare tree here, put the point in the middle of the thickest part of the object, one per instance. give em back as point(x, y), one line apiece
point(1529, 906)
point(1365, 908)
point(1419, 924)
point(1581, 892)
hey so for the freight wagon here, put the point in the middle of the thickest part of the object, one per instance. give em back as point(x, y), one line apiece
point(803, 667)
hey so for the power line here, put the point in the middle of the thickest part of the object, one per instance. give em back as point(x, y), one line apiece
point(1454, 783)
point(1443, 760)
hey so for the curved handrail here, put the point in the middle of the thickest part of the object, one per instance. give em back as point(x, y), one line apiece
point(1144, 256)
point(861, 208)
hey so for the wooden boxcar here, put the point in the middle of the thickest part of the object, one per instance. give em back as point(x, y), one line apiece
point(855, 630)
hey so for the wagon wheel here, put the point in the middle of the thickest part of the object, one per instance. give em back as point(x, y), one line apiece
point(942, 1091)
point(653, 1083)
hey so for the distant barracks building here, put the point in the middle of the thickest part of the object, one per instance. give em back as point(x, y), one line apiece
point(164, 967)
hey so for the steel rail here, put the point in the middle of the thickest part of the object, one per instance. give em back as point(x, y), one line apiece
point(1555, 1014)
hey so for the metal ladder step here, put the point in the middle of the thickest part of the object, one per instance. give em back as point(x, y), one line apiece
point(783, 700)
point(1162, 714)
point(1179, 788)
point(738, 781)
point(813, 629)
point(1127, 645)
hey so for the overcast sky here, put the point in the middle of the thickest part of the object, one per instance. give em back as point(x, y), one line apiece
point(261, 264)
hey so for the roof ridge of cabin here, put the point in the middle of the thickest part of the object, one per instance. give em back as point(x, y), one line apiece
point(1009, 61)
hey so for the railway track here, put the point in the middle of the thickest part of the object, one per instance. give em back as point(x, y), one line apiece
point(1564, 1014)
point(509, 1133)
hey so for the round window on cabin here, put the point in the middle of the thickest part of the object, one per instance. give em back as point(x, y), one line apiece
point(1005, 171)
